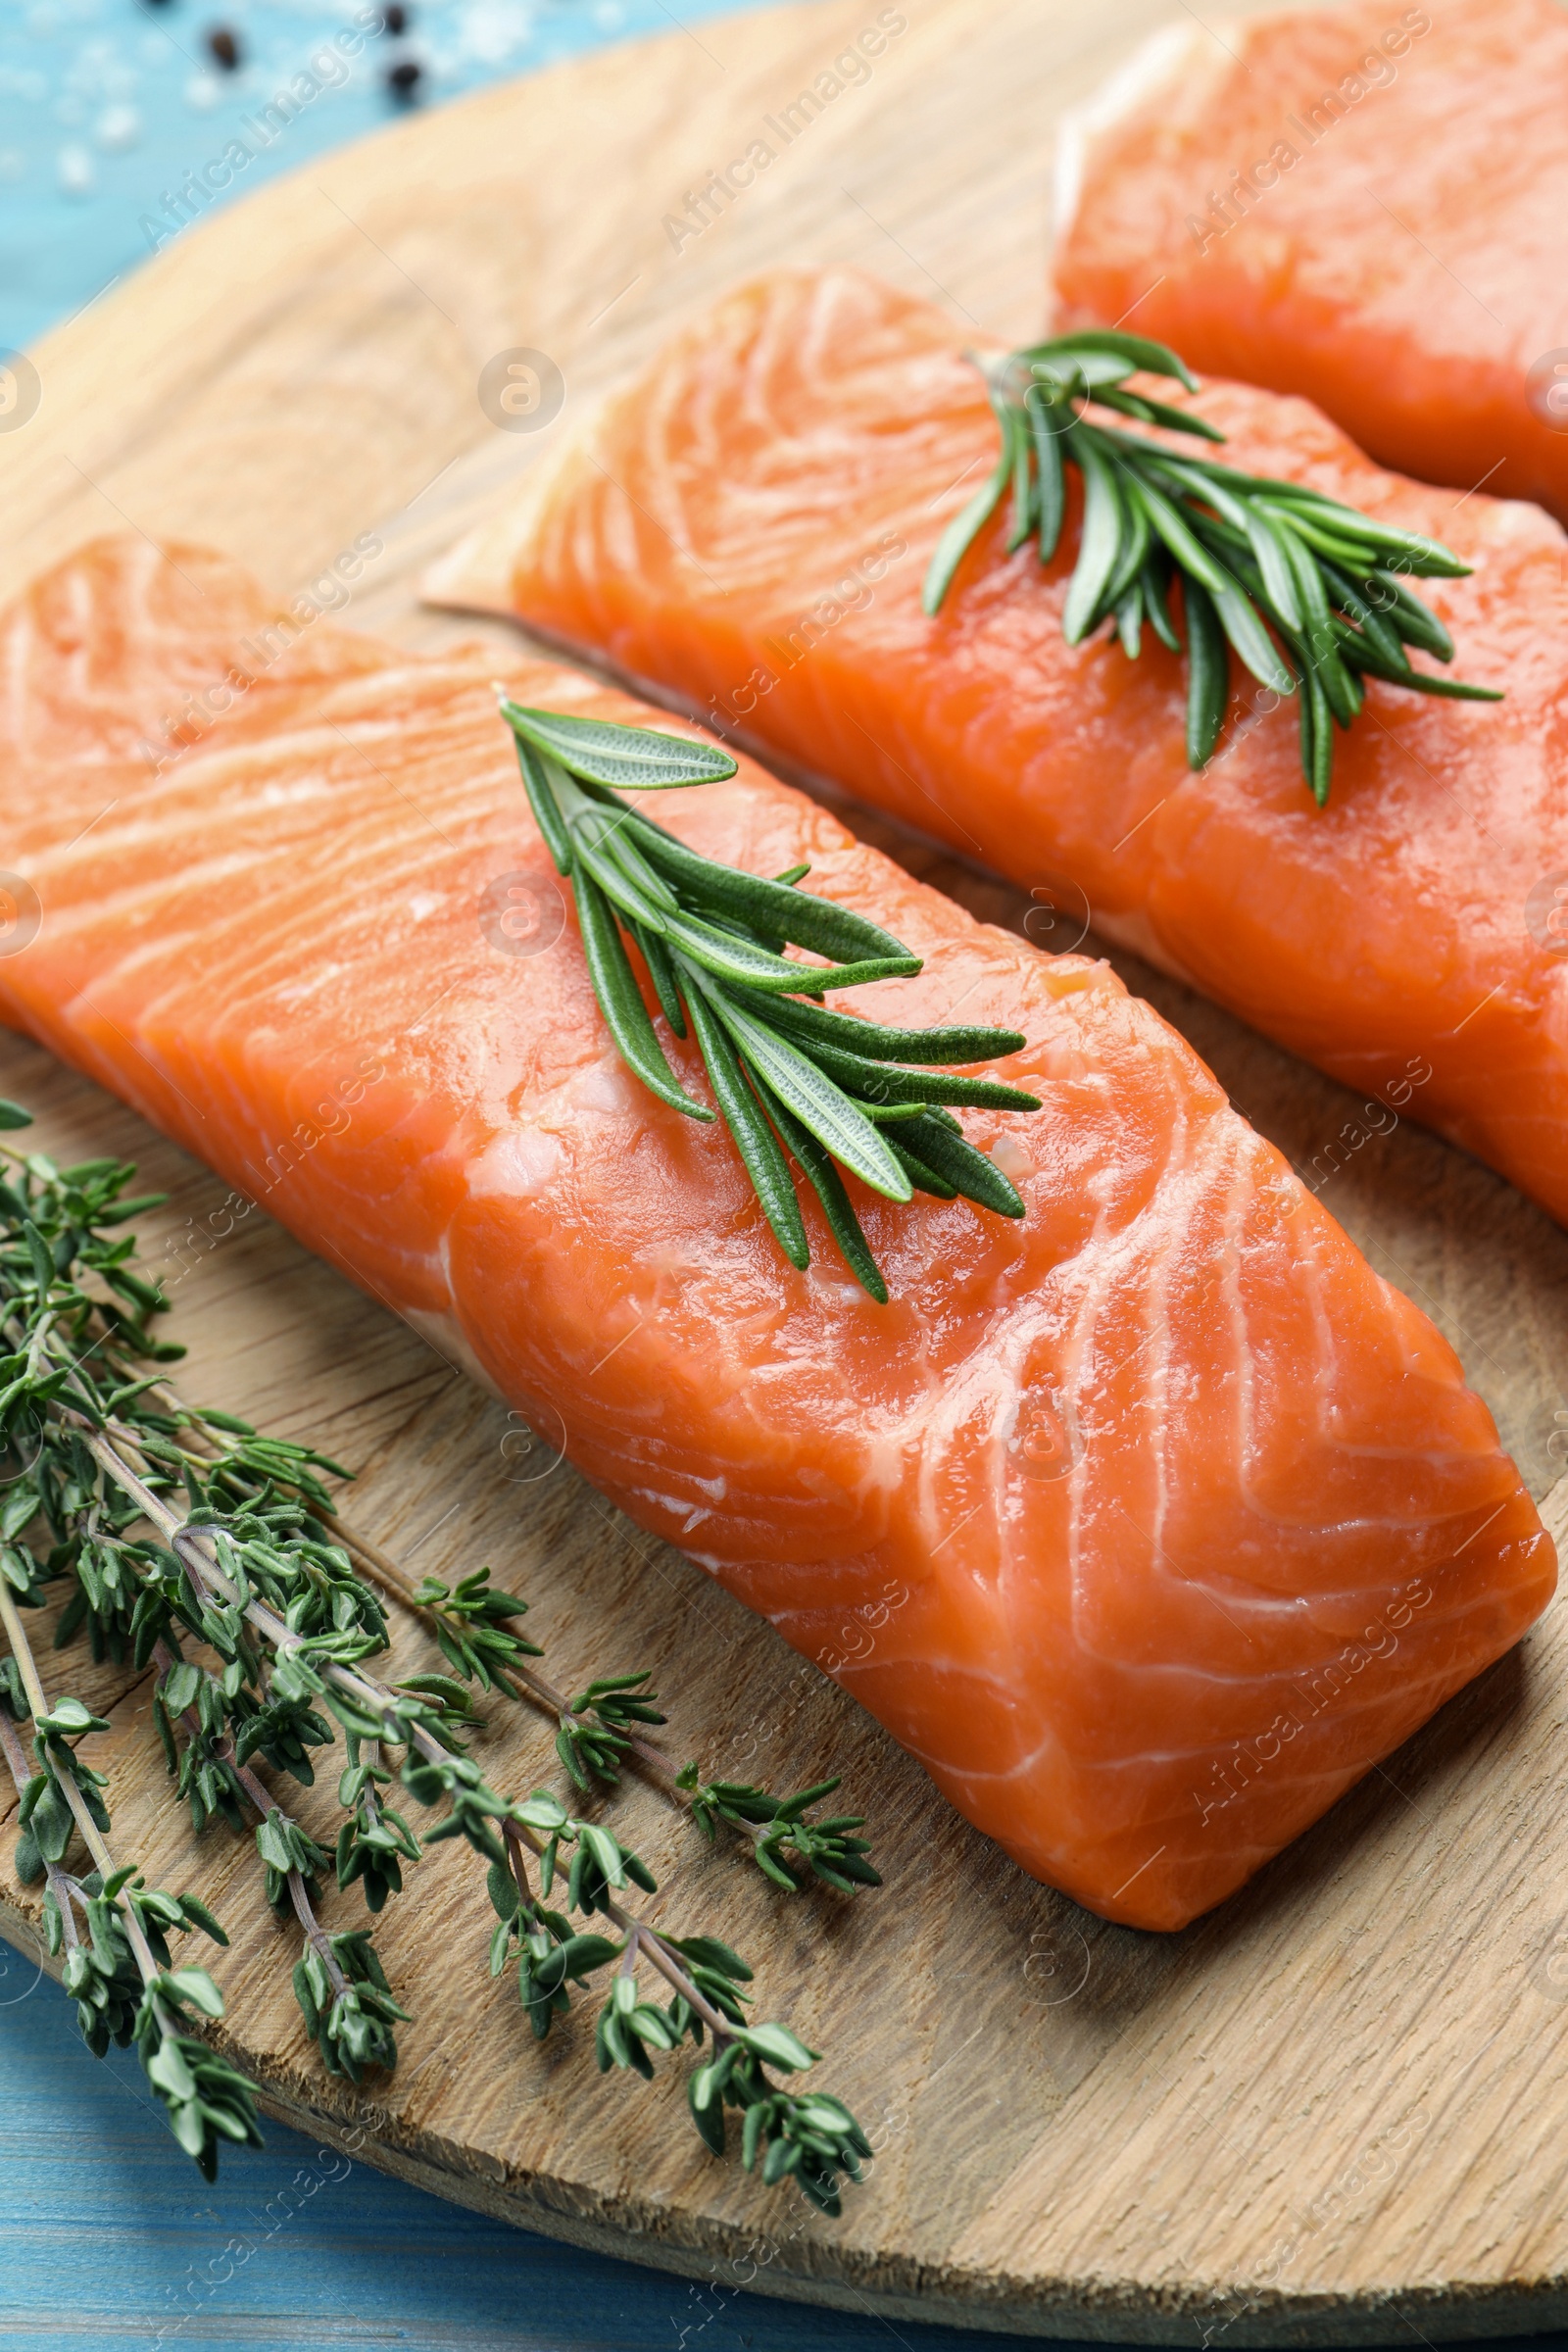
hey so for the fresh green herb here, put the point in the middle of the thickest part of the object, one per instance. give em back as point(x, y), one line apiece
point(793, 1081)
point(784, 1831)
point(122, 1979)
point(193, 1544)
point(808, 2134)
point(1312, 595)
point(600, 1731)
point(596, 1732)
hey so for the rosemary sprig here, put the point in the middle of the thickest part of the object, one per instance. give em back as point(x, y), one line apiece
point(793, 1082)
point(246, 1560)
point(1312, 595)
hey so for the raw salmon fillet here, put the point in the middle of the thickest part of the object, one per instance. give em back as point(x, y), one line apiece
point(1147, 1524)
point(750, 523)
point(1366, 204)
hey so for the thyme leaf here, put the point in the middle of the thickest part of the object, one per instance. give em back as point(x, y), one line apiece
point(194, 1544)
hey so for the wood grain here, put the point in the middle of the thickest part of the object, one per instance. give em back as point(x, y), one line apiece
point(1335, 2110)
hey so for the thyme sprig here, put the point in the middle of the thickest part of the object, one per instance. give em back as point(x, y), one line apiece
point(794, 1083)
point(179, 1530)
point(1312, 595)
point(122, 1979)
point(599, 1735)
point(811, 2135)
point(783, 1830)
point(338, 1980)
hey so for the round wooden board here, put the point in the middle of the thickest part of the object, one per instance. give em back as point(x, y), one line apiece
point(1335, 2111)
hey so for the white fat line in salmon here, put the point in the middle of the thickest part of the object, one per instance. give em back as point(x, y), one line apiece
point(330, 590)
point(1249, 1758)
point(327, 68)
point(1374, 70)
point(702, 205)
point(851, 591)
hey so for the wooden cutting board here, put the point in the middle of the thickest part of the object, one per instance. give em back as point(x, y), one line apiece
point(1338, 2109)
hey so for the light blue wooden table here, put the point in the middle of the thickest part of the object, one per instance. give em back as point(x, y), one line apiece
point(107, 106)
point(108, 2237)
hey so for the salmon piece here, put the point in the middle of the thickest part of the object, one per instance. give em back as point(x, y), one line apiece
point(1147, 1524)
point(1364, 205)
point(749, 522)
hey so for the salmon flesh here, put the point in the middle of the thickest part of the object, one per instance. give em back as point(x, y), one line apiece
point(1147, 1524)
point(750, 523)
point(1366, 205)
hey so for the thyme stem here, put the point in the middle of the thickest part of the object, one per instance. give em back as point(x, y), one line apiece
point(91, 1835)
point(57, 1881)
point(265, 1806)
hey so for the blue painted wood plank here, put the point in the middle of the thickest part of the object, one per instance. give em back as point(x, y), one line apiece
point(109, 2236)
point(119, 129)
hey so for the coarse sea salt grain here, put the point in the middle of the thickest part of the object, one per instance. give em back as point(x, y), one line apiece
point(118, 130)
point(75, 171)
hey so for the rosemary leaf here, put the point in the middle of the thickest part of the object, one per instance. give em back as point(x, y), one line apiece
point(1310, 594)
point(622, 1003)
point(1207, 672)
point(791, 1080)
point(629, 759)
point(755, 1140)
